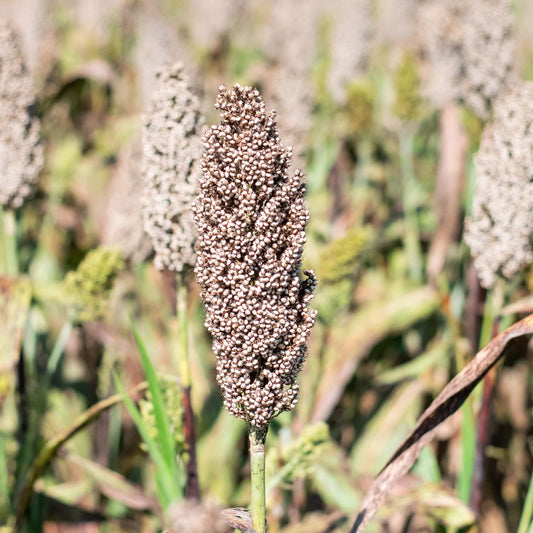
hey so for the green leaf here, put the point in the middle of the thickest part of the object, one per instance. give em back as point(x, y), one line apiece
point(170, 491)
point(331, 481)
point(14, 305)
point(435, 355)
point(163, 424)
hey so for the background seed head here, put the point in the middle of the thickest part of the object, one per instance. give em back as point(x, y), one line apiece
point(499, 230)
point(469, 49)
point(21, 152)
point(172, 149)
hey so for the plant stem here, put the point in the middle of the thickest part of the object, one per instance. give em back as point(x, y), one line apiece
point(526, 523)
point(412, 230)
point(193, 487)
point(491, 325)
point(57, 351)
point(257, 463)
point(4, 481)
point(9, 227)
point(183, 354)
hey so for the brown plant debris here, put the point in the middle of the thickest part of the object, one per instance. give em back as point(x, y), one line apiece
point(446, 403)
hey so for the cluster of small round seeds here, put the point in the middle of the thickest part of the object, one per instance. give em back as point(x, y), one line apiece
point(501, 225)
point(470, 50)
point(172, 148)
point(251, 220)
point(21, 151)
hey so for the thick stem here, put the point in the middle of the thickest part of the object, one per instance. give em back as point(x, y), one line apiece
point(193, 488)
point(526, 524)
point(257, 464)
point(181, 310)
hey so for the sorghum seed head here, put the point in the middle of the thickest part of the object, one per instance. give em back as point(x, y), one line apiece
point(172, 150)
point(251, 221)
point(21, 152)
point(470, 50)
point(499, 229)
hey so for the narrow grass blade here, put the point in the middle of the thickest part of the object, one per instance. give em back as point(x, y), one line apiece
point(165, 437)
point(58, 349)
point(526, 520)
point(170, 492)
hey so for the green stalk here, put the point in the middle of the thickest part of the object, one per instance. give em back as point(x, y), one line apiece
point(4, 480)
point(9, 256)
point(58, 349)
point(193, 487)
point(526, 523)
point(412, 230)
point(360, 189)
point(183, 353)
point(257, 463)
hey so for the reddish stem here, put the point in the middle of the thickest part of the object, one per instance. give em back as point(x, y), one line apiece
point(193, 487)
point(483, 432)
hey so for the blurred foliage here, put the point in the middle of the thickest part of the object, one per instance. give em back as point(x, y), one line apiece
point(360, 106)
point(473, 126)
point(407, 104)
point(385, 342)
point(90, 284)
point(339, 259)
point(297, 459)
point(172, 392)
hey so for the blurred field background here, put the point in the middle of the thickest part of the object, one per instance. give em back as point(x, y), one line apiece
point(366, 92)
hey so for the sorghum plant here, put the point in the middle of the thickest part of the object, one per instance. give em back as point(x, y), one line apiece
point(500, 226)
point(499, 229)
point(251, 220)
point(21, 151)
point(172, 148)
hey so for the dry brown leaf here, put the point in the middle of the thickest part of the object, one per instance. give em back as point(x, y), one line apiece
point(446, 403)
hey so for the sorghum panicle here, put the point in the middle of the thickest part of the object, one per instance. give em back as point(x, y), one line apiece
point(21, 152)
point(172, 148)
point(469, 49)
point(500, 227)
point(251, 221)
